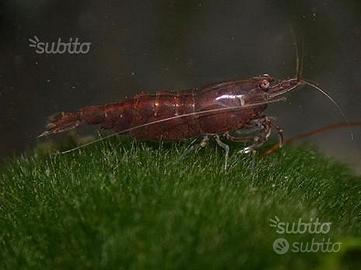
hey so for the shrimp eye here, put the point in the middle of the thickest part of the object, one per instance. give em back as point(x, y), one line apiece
point(264, 84)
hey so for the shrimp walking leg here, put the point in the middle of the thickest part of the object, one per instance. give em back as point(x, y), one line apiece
point(279, 132)
point(204, 141)
point(265, 129)
point(196, 147)
point(226, 149)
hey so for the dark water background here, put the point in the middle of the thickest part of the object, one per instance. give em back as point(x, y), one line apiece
point(151, 45)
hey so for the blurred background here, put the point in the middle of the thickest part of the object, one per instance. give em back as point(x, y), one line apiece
point(159, 44)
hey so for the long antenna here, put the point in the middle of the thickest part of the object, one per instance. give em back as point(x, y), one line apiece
point(321, 130)
point(299, 61)
point(299, 75)
point(313, 85)
point(299, 47)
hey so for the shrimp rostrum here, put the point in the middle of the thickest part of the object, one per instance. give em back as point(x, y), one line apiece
point(227, 111)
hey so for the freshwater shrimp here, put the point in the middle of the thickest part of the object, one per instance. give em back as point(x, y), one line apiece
point(220, 111)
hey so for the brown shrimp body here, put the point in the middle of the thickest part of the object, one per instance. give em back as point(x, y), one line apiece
point(219, 110)
point(147, 108)
point(150, 108)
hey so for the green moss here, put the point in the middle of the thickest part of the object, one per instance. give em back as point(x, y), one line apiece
point(121, 204)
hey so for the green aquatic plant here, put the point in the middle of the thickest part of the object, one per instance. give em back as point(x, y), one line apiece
point(126, 205)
